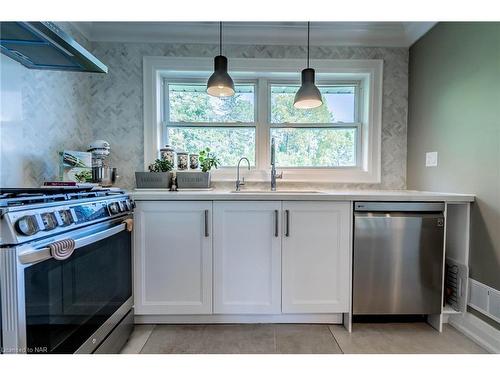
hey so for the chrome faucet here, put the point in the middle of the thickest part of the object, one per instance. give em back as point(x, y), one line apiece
point(242, 182)
point(274, 175)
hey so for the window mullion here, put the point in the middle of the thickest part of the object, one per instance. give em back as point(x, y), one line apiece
point(359, 146)
point(210, 124)
point(262, 128)
point(318, 126)
point(165, 112)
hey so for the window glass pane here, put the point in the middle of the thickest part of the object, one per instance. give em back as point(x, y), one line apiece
point(315, 147)
point(338, 105)
point(229, 144)
point(191, 103)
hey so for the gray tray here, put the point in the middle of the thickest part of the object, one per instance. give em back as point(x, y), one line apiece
point(193, 180)
point(153, 180)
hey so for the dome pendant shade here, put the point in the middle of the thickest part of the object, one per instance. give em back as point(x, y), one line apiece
point(308, 95)
point(220, 82)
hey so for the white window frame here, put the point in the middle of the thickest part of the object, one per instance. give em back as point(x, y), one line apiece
point(172, 79)
point(357, 124)
point(367, 72)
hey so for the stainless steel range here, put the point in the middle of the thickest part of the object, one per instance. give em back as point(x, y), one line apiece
point(65, 270)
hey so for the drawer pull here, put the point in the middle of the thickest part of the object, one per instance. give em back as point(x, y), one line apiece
point(276, 224)
point(287, 218)
point(206, 223)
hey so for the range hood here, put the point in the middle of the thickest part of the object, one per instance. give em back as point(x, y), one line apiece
point(43, 45)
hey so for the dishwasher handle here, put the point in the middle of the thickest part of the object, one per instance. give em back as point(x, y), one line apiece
point(401, 215)
point(398, 206)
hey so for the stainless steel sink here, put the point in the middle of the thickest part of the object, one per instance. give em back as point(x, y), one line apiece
point(276, 192)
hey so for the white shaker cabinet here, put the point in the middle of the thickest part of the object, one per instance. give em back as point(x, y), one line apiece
point(315, 257)
point(247, 257)
point(173, 257)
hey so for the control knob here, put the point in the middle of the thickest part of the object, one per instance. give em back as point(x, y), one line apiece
point(113, 208)
point(121, 206)
point(66, 217)
point(49, 221)
point(128, 205)
point(27, 225)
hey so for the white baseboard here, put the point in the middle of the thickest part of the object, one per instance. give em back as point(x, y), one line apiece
point(477, 330)
point(243, 319)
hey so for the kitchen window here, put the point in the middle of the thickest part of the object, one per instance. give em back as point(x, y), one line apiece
point(195, 120)
point(324, 137)
point(337, 142)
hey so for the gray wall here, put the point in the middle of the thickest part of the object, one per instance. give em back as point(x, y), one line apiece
point(454, 108)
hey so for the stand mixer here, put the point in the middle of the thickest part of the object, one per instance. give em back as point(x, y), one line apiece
point(102, 173)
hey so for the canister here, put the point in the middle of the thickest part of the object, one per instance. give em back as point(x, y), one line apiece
point(182, 160)
point(194, 161)
point(167, 153)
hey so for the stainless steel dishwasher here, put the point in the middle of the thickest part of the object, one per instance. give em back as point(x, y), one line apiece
point(398, 258)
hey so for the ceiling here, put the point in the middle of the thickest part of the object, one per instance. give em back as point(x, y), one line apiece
point(373, 34)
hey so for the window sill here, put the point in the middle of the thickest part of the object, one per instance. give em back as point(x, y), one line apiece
point(340, 175)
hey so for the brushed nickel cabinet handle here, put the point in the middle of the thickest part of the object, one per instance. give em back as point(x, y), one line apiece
point(276, 213)
point(287, 217)
point(206, 223)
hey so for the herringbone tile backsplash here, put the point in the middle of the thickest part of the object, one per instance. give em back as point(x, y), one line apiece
point(69, 110)
point(41, 113)
point(116, 99)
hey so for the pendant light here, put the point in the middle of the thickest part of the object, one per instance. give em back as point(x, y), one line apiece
point(220, 82)
point(308, 95)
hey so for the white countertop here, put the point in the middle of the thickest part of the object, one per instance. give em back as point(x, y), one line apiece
point(309, 195)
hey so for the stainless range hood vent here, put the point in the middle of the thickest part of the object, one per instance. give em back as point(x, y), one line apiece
point(43, 45)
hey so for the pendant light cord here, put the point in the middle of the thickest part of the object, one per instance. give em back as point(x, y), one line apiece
point(220, 38)
point(308, 38)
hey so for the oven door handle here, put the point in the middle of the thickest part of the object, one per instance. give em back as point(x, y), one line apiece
point(41, 254)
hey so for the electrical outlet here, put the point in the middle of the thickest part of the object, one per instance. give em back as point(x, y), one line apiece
point(431, 159)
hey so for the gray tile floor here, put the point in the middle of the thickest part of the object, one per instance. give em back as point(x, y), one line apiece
point(297, 339)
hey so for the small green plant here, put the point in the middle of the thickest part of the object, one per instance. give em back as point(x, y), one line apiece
point(161, 165)
point(83, 176)
point(208, 160)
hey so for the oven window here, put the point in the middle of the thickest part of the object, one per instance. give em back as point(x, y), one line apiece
point(67, 301)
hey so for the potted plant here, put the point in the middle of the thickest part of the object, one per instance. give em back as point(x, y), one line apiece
point(208, 160)
point(199, 179)
point(158, 177)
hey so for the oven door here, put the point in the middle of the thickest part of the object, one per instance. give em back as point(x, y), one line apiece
point(71, 305)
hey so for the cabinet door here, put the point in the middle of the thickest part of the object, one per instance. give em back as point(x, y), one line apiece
point(247, 258)
point(173, 258)
point(316, 257)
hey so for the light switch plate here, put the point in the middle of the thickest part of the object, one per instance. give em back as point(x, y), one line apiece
point(431, 159)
